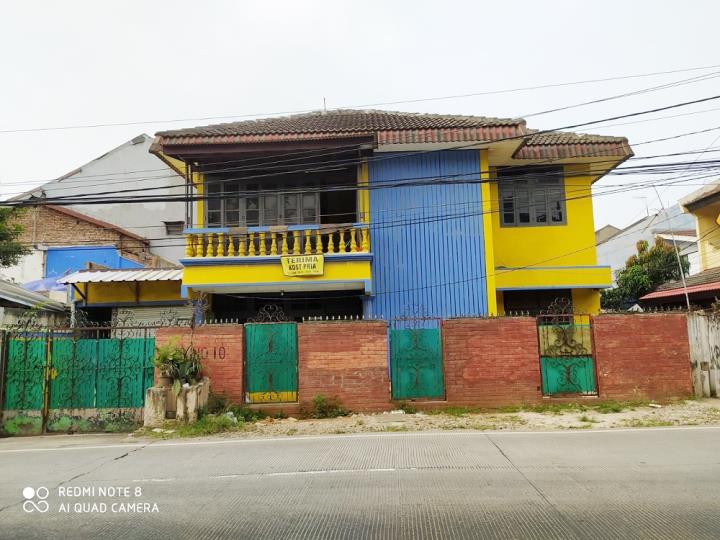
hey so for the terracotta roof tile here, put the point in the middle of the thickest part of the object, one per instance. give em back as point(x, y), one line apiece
point(708, 280)
point(392, 127)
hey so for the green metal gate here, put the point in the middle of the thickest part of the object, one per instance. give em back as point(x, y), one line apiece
point(60, 380)
point(271, 362)
point(416, 359)
point(566, 352)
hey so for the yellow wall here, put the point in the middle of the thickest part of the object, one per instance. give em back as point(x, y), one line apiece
point(272, 273)
point(363, 196)
point(539, 277)
point(487, 209)
point(586, 301)
point(572, 244)
point(125, 292)
point(708, 233)
point(198, 180)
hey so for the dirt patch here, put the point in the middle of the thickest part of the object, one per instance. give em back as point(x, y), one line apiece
point(619, 415)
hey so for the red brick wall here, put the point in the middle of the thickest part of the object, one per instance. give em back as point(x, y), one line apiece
point(346, 360)
point(491, 362)
point(221, 347)
point(41, 224)
point(642, 356)
point(486, 362)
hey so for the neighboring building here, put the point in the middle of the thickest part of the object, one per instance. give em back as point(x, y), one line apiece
point(126, 168)
point(618, 248)
point(396, 214)
point(18, 304)
point(702, 288)
point(130, 297)
point(605, 233)
point(63, 240)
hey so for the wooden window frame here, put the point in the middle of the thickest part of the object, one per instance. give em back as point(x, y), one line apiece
point(532, 189)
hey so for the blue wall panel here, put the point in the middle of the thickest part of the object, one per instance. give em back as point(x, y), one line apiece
point(427, 241)
point(61, 261)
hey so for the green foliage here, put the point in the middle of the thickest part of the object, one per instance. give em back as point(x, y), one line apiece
point(454, 411)
point(407, 407)
point(11, 250)
point(182, 364)
point(216, 403)
point(208, 424)
point(327, 407)
point(246, 414)
point(650, 267)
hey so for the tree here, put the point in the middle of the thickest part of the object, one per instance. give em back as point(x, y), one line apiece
point(11, 249)
point(650, 267)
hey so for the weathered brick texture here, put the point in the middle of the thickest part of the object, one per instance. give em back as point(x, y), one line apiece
point(53, 226)
point(491, 362)
point(347, 361)
point(221, 347)
point(642, 356)
point(486, 362)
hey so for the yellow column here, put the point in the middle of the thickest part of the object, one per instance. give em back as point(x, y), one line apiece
point(273, 243)
point(363, 195)
point(251, 244)
point(262, 243)
point(198, 180)
point(308, 247)
point(189, 245)
point(488, 208)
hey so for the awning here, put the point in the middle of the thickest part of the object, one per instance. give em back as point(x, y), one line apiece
point(109, 276)
point(15, 294)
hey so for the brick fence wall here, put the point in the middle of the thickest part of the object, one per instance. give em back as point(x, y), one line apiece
point(347, 360)
point(222, 349)
point(642, 356)
point(491, 362)
point(486, 362)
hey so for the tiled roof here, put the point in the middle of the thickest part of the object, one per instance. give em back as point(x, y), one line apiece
point(564, 144)
point(343, 121)
point(706, 281)
point(392, 127)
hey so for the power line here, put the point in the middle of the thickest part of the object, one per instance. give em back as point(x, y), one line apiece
point(362, 106)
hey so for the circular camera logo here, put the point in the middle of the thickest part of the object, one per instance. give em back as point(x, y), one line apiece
point(31, 494)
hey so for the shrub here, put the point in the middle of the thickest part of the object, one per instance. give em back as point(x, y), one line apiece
point(246, 414)
point(217, 403)
point(182, 364)
point(325, 407)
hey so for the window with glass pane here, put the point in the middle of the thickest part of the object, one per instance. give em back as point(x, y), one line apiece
point(214, 205)
point(531, 196)
point(309, 208)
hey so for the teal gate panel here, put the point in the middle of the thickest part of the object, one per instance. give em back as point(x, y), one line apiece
point(271, 367)
point(566, 351)
point(416, 363)
point(568, 375)
point(122, 371)
point(25, 373)
point(72, 377)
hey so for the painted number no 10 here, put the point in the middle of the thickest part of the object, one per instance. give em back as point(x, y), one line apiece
point(216, 353)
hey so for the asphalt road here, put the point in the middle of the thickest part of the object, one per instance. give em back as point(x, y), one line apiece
point(650, 483)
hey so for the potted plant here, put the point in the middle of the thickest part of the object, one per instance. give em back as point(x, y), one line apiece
point(177, 365)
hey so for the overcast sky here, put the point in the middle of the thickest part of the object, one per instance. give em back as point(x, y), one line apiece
point(77, 63)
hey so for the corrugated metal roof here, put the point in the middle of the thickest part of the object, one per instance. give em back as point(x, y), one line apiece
point(107, 276)
point(706, 281)
point(18, 295)
point(710, 287)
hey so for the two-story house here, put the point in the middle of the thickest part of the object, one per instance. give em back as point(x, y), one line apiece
point(389, 214)
point(702, 288)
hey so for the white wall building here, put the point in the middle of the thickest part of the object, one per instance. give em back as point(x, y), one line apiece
point(129, 166)
point(616, 250)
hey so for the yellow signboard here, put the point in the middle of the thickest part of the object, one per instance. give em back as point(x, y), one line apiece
point(303, 265)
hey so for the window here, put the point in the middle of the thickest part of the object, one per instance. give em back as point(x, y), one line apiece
point(174, 228)
point(531, 196)
point(238, 204)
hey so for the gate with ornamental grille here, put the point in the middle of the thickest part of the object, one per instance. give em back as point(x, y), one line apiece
point(566, 351)
point(79, 379)
point(416, 358)
point(271, 359)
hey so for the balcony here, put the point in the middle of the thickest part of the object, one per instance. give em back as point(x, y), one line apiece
point(265, 259)
point(277, 241)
